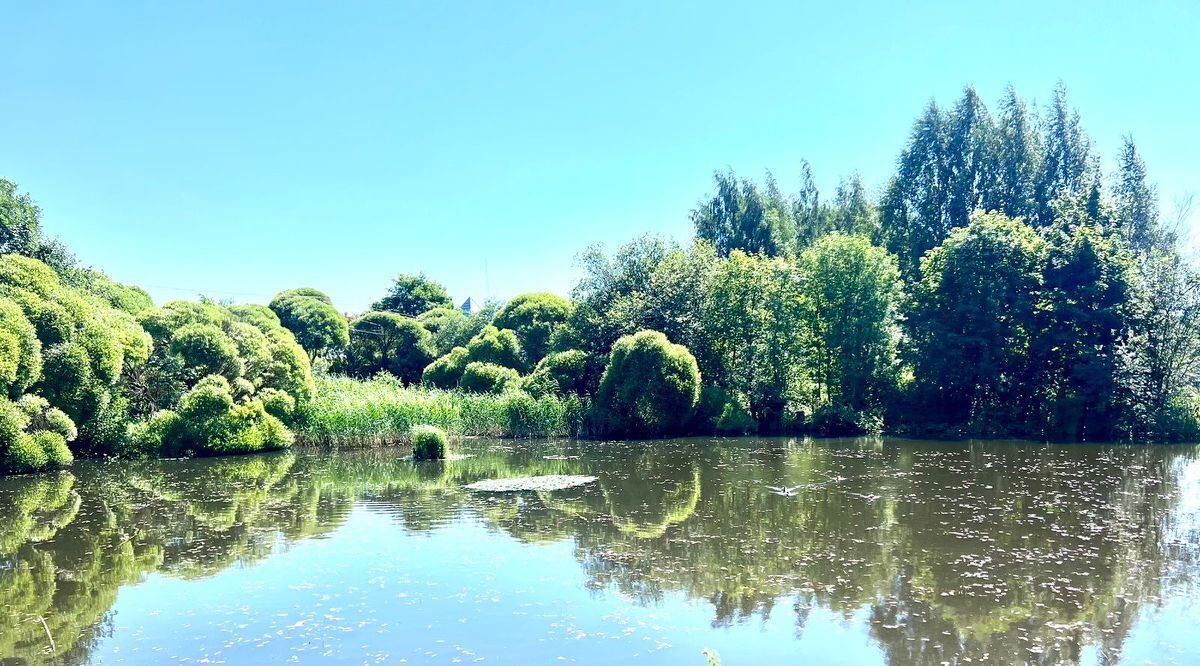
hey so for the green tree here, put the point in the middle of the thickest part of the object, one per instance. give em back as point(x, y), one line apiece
point(1136, 203)
point(319, 328)
point(612, 293)
point(851, 292)
point(447, 370)
point(970, 160)
point(650, 387)
point(451, 327)
point(853, 212)
point(1019, 159)
point(479, 377)
point(535, 318)
point(971, 323)
point(498, 346)
point(913, 211)
point(388, 342)
point(412, 295)
point(740, 217)
point(1088, 296)
point(1066, 164)
point(752, 317)
point(808, 215)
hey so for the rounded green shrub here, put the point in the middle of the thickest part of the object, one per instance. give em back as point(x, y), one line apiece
point(150, 437)
point(535, 318)
point(24, 455)
point(55, 448)
point(210, 397)
point(429, 442)
point(277, 403)
point(206, 350)
point(309, 314)
point(44, 417)
point(69, 383)
point(496, 346)
point(488, 378)
point(445, 372)
point(571, 372)
point(304, 292)
point(123, 297)
point(258, 316)
point(20, 350)
point(650, 387)
point(211, 423)
point(242, 388)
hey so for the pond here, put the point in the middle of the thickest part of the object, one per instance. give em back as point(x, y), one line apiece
point(884, 552)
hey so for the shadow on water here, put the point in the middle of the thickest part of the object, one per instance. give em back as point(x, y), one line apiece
point(947, 553)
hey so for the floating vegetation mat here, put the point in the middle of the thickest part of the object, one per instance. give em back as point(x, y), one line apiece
point(535, 483)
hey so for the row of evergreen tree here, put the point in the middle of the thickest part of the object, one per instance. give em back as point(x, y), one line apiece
point(1019, 162)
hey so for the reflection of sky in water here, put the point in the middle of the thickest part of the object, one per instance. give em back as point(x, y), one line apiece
point(369, 593)
point(900, 553)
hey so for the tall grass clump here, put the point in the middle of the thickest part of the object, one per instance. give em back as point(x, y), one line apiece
point(380, 411)
point(429, 443)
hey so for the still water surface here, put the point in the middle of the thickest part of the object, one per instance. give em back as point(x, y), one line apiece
point(889, 552)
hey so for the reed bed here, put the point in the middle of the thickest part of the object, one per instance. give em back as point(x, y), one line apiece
point(381, 411)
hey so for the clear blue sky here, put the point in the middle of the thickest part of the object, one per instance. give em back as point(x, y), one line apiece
point(238, 148)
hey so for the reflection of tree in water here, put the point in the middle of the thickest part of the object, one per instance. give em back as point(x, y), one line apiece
point(1009, 554)
point(1002, 553)
point(68, 542)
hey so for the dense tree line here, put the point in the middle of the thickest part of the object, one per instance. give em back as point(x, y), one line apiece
point(90, 366)
point(1001, 284)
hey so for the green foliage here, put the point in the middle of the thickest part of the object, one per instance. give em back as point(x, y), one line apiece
point(451, 327)
point(445, 372)
point(279, 404)
point(428, 442)
point(24, 455)
point(849, 305)
point(42, 416)
point(54, 446)
point(211, 423)
point(20, 350)
point(206, 350)
point(719, 413)
point(1086, 316)
point(650, 387)
point(972, 321)
point(498, 346)
point(194, 340)
point(753, 316)
point(535, 319)
point(387, 342)
point(413, 295)
point(741, 217)
point(309, 314)
point(571, 372)
point(126, 298)
point(481, 377)
point(86, 345)
point(150, 437)
point(21, 229)
point(33, 436)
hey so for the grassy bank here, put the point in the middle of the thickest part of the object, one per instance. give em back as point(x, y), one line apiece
point(353, 413)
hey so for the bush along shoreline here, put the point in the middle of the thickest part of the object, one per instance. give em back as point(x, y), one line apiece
point(1005, 283)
